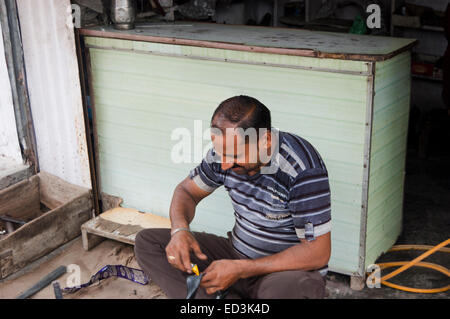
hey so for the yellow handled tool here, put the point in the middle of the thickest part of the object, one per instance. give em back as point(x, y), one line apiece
point(195, 269)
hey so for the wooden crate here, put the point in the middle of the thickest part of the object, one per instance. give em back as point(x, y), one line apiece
point(53, 210)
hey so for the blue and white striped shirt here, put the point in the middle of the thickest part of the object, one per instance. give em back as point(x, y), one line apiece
point(273, 211)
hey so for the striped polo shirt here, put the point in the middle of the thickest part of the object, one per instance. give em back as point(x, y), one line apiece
point(273, 211)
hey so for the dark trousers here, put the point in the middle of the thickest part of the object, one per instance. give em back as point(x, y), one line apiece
point(150, 254)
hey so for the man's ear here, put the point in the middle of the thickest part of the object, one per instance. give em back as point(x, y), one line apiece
point(265, 139)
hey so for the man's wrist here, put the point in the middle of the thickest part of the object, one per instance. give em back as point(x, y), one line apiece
point(245, 266)
point(179, 229)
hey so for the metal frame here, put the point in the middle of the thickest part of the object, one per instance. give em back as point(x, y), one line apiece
point(84, 61)
point(17, 75)
point(366, 173)
point(196, 57)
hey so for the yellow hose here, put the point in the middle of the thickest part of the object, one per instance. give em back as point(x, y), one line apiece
point(415, 262)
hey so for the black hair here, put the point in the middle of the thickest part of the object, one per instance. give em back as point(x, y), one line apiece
point(243, 111)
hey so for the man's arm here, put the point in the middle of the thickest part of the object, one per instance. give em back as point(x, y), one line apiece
point(308, 255)
point(186, 197)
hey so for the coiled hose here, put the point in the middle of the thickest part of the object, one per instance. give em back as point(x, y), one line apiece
point(416, 262)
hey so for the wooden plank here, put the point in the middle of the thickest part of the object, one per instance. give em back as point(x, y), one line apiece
point(284, 41)
point(129, 216)
point(110, 230)
point(120, 224)
point(14, 204)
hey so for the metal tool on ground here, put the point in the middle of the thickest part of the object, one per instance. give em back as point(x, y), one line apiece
point(57, 290)
point(44, 282)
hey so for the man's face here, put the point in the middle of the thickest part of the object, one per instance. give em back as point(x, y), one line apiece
point(235, 154)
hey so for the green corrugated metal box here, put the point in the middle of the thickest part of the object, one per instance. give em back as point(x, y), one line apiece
point(347, 94)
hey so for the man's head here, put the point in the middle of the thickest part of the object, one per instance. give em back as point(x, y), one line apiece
point(241, 133)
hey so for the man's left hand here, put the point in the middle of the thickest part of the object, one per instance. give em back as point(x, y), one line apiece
point(220, 275)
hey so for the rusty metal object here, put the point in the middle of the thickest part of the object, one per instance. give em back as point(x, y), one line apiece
point(123, 14)
point(12, 220)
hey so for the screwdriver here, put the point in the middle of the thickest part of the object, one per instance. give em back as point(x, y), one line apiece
point(195, 269)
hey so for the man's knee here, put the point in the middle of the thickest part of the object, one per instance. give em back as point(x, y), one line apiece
point(150, 239)
point(292, 285)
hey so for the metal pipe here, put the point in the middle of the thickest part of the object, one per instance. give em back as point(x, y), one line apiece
point(123, 14)
point(9, 227)
point(44, 282)
point(12, 220)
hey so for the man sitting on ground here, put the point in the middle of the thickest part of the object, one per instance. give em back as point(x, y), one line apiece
point(280, 244)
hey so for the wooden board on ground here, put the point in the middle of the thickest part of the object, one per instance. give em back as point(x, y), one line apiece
point(121, 224)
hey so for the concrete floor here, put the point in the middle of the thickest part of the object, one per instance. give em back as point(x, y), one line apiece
point(426, 221)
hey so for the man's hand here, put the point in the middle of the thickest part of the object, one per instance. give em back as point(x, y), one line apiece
point(179, 248)
point(220, 275)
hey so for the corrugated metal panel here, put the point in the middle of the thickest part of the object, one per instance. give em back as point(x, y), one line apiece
point(141, 98)
point(9, 141)
point(54, 88)
point(229, 55)
point(388, 152)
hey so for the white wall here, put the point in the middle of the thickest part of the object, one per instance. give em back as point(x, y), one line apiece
point(9, 141)
point(54, 89)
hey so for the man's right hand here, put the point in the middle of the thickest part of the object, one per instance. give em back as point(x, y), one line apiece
point(179, 248)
